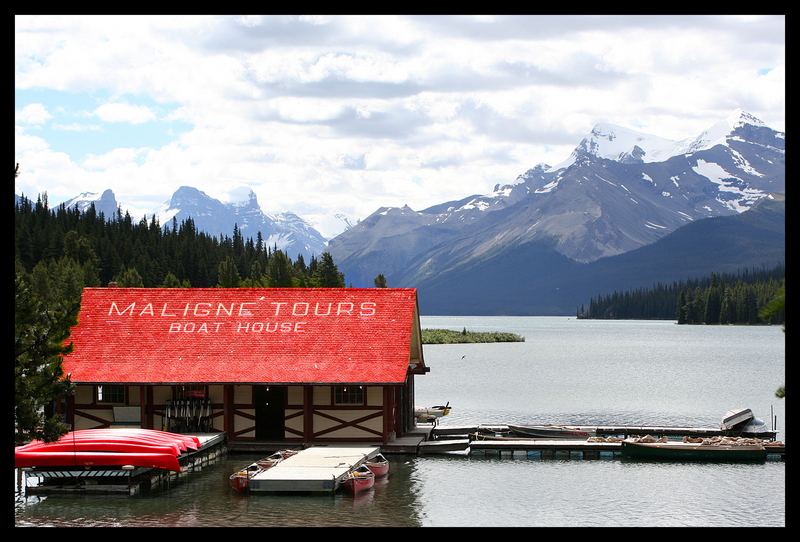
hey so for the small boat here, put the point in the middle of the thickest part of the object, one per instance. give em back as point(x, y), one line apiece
point(358, 480)
point(240, 480)
point(551, 431)
point(735, 417)
point(108, 448)
point(379, 465)
point(688, 451)
point(429, 414)
point(40, 458)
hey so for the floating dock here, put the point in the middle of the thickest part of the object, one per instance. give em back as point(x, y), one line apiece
point(116, 480)
point(315, 469)
point(606, 430)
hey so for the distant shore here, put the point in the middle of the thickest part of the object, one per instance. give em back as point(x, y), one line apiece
point(448, 336)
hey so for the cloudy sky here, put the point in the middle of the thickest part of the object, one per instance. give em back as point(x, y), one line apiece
point(326, 115)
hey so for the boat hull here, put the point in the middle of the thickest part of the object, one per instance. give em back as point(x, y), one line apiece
point(107, 448)
point(357, 484)
point(379, 469)
point(39, 458)
point(548, 431)
point(240, 482)
point(693, 452)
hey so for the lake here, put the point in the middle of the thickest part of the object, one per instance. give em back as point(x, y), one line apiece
point(567, 371)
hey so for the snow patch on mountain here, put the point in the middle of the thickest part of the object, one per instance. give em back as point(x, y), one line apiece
point(729, 184)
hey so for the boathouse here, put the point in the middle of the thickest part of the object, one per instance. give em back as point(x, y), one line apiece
point(298, 365)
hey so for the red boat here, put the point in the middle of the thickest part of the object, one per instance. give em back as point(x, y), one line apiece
point(358, 480)
point(378, 465)
point(39, 458)
point(240, 480)
point(108, 447)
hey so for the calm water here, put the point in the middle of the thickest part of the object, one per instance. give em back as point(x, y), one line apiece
point(568, 370)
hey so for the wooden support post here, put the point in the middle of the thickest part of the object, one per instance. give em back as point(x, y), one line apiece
point(142, 408)
point(387, 412)
point(150, 407)
point(308, 413)
point(227, 398)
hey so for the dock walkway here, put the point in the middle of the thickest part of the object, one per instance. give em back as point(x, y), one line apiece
point(315, 469)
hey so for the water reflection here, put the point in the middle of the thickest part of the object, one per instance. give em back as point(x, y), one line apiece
point(205, 499)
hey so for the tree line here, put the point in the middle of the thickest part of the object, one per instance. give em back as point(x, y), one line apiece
point(60, 251)
point(728, 298)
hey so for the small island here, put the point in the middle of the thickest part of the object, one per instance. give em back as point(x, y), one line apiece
point(449, 336)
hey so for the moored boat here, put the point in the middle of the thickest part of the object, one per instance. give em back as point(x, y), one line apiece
point(688, 451)
point(379, 465)
point(108, 448)
point(358, 480)
point(551, 431)
point(429, 414)
point(240, 480)
point(735, 417)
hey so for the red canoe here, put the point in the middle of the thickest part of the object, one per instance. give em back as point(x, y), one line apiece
point(378, 465)
point(358, 480)
point(39, 458)
point(108, 447)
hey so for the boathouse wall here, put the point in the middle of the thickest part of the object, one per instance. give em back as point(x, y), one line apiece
point(372, 341)
point(310, 412)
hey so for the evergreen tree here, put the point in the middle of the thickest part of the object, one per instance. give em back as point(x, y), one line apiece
point(328, 275)
point(228, 275)
point(280, 270)
point(380, 281)
point(40, 330)
point(171, 281)
point(129, 278)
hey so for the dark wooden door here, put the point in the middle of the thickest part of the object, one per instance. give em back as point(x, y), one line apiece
point(270, 406)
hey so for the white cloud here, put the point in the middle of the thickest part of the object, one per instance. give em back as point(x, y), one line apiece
point(344, 114)
point(34, 113)
point(123, 112)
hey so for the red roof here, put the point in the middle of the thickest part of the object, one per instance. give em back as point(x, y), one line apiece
point(247, 335)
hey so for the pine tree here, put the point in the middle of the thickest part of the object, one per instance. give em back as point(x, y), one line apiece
point(40, 329)
point(280, 270)
point(327, 274)
point(129, 278)
point(228, 275)
point(380, 281)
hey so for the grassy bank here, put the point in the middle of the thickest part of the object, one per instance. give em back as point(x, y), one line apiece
point(448, 336)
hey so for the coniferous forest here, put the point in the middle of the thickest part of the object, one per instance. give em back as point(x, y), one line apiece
point(719, 299)
point(60, 251)
point(147, 254)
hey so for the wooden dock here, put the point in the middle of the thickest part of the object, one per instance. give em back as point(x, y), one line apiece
point(548, 448)
point(315, 469)
point(604, 431)
point(117, 480)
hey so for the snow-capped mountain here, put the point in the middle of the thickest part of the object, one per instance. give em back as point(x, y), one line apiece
point(619, 190)
point(104, 202)
point(287, 231)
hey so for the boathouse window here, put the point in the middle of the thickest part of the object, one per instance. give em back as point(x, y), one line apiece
point(348, 395)
point(111, 393)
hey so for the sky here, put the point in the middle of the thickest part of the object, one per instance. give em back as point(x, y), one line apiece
point(341, 115)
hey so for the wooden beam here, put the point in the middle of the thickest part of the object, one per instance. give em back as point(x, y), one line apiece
point(228, 409)
point(308, 413)
point(150, 407)
point(143, 408)
point(388, 395)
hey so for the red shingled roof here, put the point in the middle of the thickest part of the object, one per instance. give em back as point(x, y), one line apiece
point(247, 335)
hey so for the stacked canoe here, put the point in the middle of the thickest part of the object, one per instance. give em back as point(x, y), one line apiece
point(109, 448)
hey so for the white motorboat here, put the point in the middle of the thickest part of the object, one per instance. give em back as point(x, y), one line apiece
point(735, 417)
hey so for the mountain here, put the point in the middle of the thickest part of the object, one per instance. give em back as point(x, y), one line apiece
point(104, 202)
point(618, 191)
point(534, 279)
point(287, 231)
